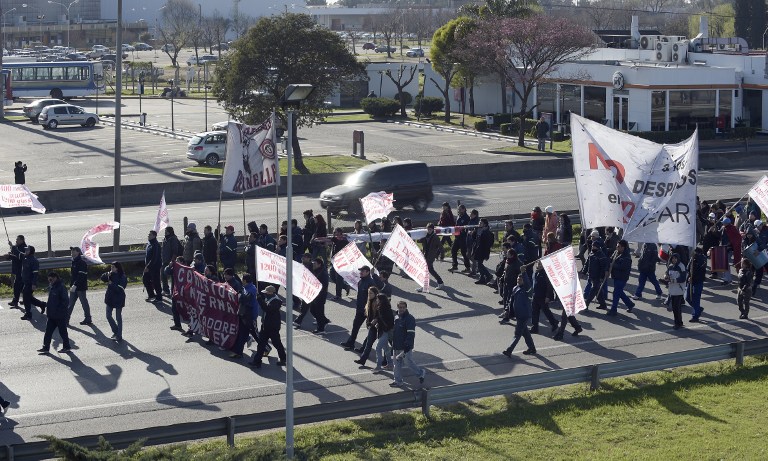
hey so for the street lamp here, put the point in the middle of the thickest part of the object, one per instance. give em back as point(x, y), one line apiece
point(67, 7)
point(3, 19)
point(291, 100)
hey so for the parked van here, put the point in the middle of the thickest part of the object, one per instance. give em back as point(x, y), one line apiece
point(410, 181)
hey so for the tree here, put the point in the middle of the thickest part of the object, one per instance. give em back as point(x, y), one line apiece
point(180, 26)
point(216, 27)
point(276, 52)
point(390, 24)
point(529, 51)
point(404, 78)
point(444, 60)
point(741, 17)
point(757, 23)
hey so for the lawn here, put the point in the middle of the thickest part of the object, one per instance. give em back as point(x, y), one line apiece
point(321, 164)
point(714, 411)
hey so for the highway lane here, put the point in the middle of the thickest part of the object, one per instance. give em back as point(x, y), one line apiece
point(491, 199)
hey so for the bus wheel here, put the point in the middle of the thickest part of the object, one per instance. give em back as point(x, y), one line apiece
point(56, 93)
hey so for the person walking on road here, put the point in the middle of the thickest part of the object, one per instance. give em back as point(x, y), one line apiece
point(29, 275)
point(744, 294)
point(543, 293)
point(446, 220)
point(646, 266)
point(676, 275)
point(620, 269)
point(317, 307)
point(597, 272)
point(270, 327)
point(79, 286)
point(482, 251)
point(460, 242)
point(172, 248)
point(193, 244)
point(696, 276)
point(16, 255)
point(367, 280)
point(114, 298)
point(228, 248)
point(152, 267)
point(431, 247)
point(209, 246)
point(522, 306)
point(403, 336)
point(57, 314)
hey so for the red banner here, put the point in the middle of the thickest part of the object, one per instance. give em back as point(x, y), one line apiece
point(210, 308)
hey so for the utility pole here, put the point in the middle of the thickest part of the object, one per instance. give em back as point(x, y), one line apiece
point(118, 120)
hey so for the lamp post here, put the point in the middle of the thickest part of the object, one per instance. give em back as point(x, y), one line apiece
point(67, 7)
point(3, 25)
point(291, 100)
point(381, 78)
point(206, 88)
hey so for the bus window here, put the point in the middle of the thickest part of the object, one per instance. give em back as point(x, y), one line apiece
point(43, 73)
point(57, 73)
point(27, 73)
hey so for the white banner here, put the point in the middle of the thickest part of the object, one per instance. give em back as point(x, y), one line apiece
point(347, 263)
point(162, 221)
point(404, 252)
point(19, 195)
point(377, 205)
point(90, 248)
point(647, 189)
point(271, 269)
point(251, 157)
point(415, 234)
point(561, 270)
point(759, 193)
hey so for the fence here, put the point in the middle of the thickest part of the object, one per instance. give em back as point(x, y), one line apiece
point(229, 426)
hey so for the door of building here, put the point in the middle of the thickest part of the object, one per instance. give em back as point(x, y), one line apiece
point(620, 112)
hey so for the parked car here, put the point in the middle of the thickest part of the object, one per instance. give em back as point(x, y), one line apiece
point(141, 46)
point(66, 114)
point(113, 57)
point(415, 53)
point(200, 60)
point(129, 48)
point(97, 51)
point(409, 180)
point(208, 148)
point(221, 46)
point(168, 48)
point(77, 57)
point(384, 48)
point(33, 109)
point(369, 46)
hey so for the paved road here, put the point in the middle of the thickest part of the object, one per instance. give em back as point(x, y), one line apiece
point(494, 199)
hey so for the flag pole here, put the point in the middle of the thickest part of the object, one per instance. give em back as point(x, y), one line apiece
point(245, 228)
point(6, 229)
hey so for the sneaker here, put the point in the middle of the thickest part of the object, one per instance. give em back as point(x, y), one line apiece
point(694, 320)
point(419, 290)
point(636, 297)
point(529, 352)
point(558, 337)
point(395, 384)
point(629, 310)
point(534, 331)
point(319, 331)
point(465, 271)
point(26, 317)
point(507, 352)
point(612, 313)
point(4, 405)
point(422, 375)
point(177, 328)
point(577, 331)
point(64, 350)
point(86, 322)
point(439, 286)
point(235, 355)
point(377, 370)
point(13, 304)
point(346, 345)
point(659, 297)
point(43, 350)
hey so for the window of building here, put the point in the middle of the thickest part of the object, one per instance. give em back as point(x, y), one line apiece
point(691, 108)
point(594, 103)
point(658, 110)
point(545, 97)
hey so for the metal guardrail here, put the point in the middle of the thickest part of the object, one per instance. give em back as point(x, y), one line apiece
point(229, 426)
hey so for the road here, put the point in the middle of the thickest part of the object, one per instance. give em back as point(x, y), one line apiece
point(493, 199)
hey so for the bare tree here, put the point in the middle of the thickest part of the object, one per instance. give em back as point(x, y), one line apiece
point(390, 24)
point(216, 30)
point(180, 26)
point(404, 78)
point(601, 13)
point(354, 37)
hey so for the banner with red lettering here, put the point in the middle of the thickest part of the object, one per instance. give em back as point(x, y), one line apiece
point(251, 157)
point(624, 181)
point(759, 193)
point(404, 252)
point(18, 196)
point(209, 307)
point(377, 205)
point(90, 248)
point(162, 220)
point(561, 270)
point(271, 269)
point(347, 263)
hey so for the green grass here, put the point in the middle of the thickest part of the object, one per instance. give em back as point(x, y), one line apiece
point(560, 147)
point(715, 411)
point(15, 118)
point(322, 164)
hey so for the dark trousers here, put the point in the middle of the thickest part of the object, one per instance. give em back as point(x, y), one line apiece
point(564, 319)
point(269, 335)
point(302, 311)
point(82, 296)
point(521, 329)
point(29, 300)
point(176, 315)
point(758, 279)
point(165, 277)
point(485, 274)
point(246, 328)
point(431, 267)
point(597, 289)
point(53, 324)
point(151, 281)
point(677, 309)
point(540, 306)
point(317, 309)
point(339, 282)
point(443, 240)
point(18, 285)
point(356, 324)
point(459, 245)
point(368, 344)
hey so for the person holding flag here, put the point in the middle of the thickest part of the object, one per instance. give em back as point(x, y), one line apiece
point(29, 275)
point(16, 255)
point(431, 247)
point(79, 285)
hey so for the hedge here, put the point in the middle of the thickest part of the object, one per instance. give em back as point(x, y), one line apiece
point(481, 125)
point(380, 107)
point(407, 97)
point(428, 105)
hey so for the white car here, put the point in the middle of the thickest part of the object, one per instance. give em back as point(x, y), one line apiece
point(66, 114)
point(208, 148)
point(415, 53)
point(199, 61)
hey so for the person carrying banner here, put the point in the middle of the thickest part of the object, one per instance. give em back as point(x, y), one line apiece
point(597, 271)
point(460, 242)
point(57, 314)
point(676, 276)
point(172, 248)
point(16, 255)
point(621, 265)
point(19, 172)
point(29, 275)
point(152, 266)
point(114, 298)
point(317, 307)
point(193, 244)
point(744, 294)
point(403, 335)
point(270, 327)
point(696, 275)
point(367, 280)
point(431, 248)
point(79, 285)
point(646, 267)
point(543, 293)
point(522, 306)
point(446, 220)
point(228, 248)
point(247, 313)
point(551, 224)
point(338, 242)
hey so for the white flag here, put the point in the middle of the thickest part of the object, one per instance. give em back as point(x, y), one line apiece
point(271, 269)
point(401, 249)
point(377, 205)
point(647, 189)
point(561, 270)
point(759, 193)
point(90, 248)
point(251, 157)
point(347, 263)
point(19, 195)
point(162, 221)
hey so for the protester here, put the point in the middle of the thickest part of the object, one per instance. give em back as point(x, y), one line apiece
point(384, 325)
point(19, 170)
point(228, 248)
point(247, 313)
point(58, 314)
point(460, 242)
point(29, 273)
point(696, 276)
point(481, 250)
point(646, 267)
point(193, 244)
point(152, 266)
point(270, 327)
point(317, 306)
point(367, 280)
point(210, 247)
point(542, 130)
point(338, 242)
point(744, 294)
point(172, 248)
point(597, 273)
point(431, 248)
point(551, 224)
point(474, 220)
point(79, 285)
point(522, 306)
point(114, 298)
point(676, 276)
point(446, 220)
point(621, 266)
point(371, 323)
point(403, 335)
point(16, 255)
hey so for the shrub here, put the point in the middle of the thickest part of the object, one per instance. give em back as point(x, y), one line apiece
point(530, 124)
point(428, 105)
point(744, 132)
point(504, 129)
point(380, 107)
point(481, 125)
point(499, 119)
point(406, 97)
point(558, 136)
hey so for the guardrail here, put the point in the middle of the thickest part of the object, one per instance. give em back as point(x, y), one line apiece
point(229, 426)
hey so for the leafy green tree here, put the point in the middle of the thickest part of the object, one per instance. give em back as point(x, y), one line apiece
point(444, 60)
point(276, 52)
point(741, 17)
point(500, 9)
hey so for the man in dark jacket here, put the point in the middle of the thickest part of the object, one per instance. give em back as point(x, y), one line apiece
point(367, 280)
point(58, 314)
point(620, 269)
point(597, 268)
point(19, 171)
point(192, 244)
point(250, 253)
point(646, 267)
point(460, 243)
point(543, 293)
point(697, 273)
point(209, 246)
point(16, 255)
point(171, 246)
point(270, 327)
point(310, 227)
point(79, 285)
point(29, 275)
point(228, 248)
point(152, 266)
point(265, 240)
point(512, 269)
point(542, 130)
point(317, 307)
point(403, 335)
point(431, 247)
point(482, 251)
point(522, 306)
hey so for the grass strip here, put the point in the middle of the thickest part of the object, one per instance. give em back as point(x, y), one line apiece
point(315, 165)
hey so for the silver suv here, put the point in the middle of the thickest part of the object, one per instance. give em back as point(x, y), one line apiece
point(66, 114)
point(33, 109)
point(208, 148)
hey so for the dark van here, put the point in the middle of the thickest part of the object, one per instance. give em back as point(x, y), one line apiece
point(410, 181)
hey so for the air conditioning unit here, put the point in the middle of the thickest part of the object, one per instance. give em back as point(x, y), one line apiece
point(648, 42)
point(680, 51)
point(663, 52)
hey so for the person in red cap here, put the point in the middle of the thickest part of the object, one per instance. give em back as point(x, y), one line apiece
point(228, 248)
